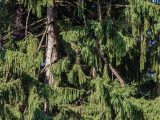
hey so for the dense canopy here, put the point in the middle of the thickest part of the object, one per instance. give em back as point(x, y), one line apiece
point(79, 59)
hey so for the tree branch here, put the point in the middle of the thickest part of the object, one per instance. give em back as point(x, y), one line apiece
point(5, 37)
point(27, 21)
point(42, 39)
point(114, 71)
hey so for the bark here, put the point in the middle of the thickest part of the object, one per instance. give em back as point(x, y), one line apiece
point(99, 10)
point(158, 89)
point(0, 40)
point(93, 73)
point(51, 50)
point(1, 48)
point(18, 23)
point(117, 75)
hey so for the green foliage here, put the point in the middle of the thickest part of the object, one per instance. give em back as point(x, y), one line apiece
point(24, 60)
point(77, 94)
point(4, 23)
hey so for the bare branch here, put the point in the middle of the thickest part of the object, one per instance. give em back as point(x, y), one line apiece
point(114, 71)
point(27, 21)
point(5, 37)
point(42, 39)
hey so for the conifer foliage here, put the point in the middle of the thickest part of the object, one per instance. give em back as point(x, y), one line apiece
point(79, 60)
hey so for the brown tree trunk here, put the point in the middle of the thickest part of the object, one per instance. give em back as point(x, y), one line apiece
point(51, 50)
point(99, 10)
point(0, 41)
point(18, 22)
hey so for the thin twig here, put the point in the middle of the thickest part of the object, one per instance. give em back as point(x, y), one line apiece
point(37, 27)
point(42, 39)
point(116, 6)
point(5, 37)
point(27, 21)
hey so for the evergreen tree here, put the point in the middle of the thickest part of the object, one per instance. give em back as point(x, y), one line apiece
point(101, 60)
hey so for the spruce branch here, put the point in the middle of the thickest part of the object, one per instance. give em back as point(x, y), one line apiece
point(113, 70)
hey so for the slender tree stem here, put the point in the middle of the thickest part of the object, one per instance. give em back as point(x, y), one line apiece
point(27, 21)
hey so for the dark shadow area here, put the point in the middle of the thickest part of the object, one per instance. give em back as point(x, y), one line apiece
point(148, 90)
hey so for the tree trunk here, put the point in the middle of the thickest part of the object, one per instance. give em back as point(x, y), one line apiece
point(51, 50)
point(0, 41)
point(1, 48)
point(99, 10)
point(18, 23)
point(93, 70)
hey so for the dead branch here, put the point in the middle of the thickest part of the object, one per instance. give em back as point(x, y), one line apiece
point(5, 37)
point(40, 44)
point(27, 21)
point(114, 71)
